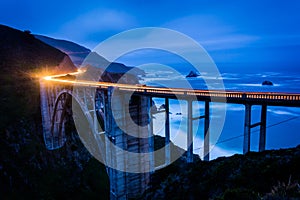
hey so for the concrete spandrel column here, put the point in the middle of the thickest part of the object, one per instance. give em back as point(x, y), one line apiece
point(247, 129)
point(206, 132)
point(167, 133)
point(263, 129)
point(190, 132)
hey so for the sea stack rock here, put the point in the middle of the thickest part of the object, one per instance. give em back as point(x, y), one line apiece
point(192, 74)
point(267, 83)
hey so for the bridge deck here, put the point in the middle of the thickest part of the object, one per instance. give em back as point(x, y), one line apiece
point(253, 98)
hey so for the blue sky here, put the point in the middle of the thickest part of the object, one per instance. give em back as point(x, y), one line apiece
point(256, 31)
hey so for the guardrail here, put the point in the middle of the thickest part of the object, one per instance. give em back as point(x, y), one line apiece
point(181, 92)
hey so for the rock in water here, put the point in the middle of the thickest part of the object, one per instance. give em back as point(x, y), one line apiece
point(192, 74)
point(267, 83)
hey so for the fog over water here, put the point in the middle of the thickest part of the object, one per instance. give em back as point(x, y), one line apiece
point(282, 122)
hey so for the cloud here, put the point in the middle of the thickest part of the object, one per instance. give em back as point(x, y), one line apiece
point(95, 22)
point(278, 40)
point(211, 32)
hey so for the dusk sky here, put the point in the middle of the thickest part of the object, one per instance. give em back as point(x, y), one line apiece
point(234, 31)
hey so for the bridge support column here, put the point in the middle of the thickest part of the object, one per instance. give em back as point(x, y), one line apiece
point(117, 179)
point(248, 126)
point(167, 134)
point(262, 134)
point(206, 132)
point(122, 120)
point(190, 132)
point(247, 129)
point(150, 139)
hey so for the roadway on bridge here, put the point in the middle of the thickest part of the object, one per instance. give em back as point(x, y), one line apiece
point(238, 97)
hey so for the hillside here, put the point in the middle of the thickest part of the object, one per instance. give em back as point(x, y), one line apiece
point(83, 56)
point(272, 174)
point(21, 56)
point(21, 51)
point(27, 169)
point(76, 52)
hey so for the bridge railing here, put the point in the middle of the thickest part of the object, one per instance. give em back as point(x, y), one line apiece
point(181, 92)
point(237, 97)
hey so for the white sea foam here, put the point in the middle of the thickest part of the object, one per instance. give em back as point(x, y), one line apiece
point(282, 112)
point(236, 112)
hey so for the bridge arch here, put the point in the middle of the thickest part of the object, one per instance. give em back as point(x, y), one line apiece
point(64, 103)
point(64, 99)
point(88, 105)
point(57, 129)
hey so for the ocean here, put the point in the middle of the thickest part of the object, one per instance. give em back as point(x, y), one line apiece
point(282, 122)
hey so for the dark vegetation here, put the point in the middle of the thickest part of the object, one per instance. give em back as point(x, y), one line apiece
point(27, 169)
point(177, 154)
point(266, 175)
point(21, 56)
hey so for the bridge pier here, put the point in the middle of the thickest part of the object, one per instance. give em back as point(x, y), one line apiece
point(263, 128)
point(247, 129)
point(190, 132)
point(206, 132)
point(248, 126)
point(119, 131)
point(167, 133)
